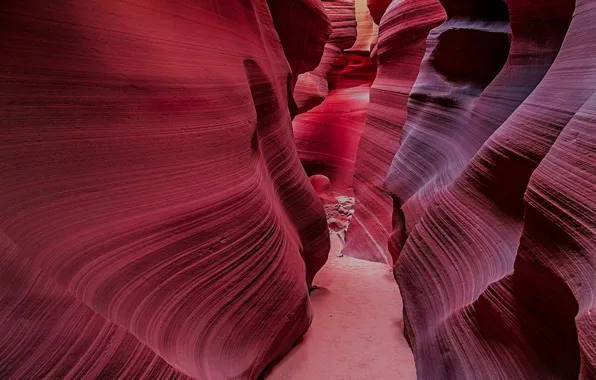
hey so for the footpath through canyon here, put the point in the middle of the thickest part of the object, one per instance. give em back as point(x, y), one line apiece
point(298, 189)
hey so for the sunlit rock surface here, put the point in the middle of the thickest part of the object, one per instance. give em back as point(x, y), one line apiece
point(155, 219)
point(366, 28)
point(327, 136)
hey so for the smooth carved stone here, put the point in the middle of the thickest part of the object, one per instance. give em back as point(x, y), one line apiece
point(498, 276)
point(367, 30)
point(155, 218)
point(378, 8)
point(303, 28)
point(323, 188)
point(312, 87)
point(400, 48)
point(327, 136)
point(447, 108)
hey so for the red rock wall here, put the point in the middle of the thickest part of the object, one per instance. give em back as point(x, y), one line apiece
point(327, 136)
point(555, 267)
point(48, 333)
point(463, 56)
point(497, 275)
point(154, 215)
point(312, 87)
point(303, 28)
point(156, 221)
point(378, 8)
point(399, 51)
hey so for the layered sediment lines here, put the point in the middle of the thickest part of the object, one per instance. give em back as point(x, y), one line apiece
point(494, 185)
point(447, 106)
point(555, 266)
point(399, 51)
point(312, 87)
point(47, 333)
point(155, 220)
point(303, 29)
point(327, 136)
point(378, 8)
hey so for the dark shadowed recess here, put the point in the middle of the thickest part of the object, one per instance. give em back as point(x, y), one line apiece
point(487, 10)
point(471, 56)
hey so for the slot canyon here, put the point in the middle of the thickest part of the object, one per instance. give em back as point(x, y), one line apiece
point(298, 189)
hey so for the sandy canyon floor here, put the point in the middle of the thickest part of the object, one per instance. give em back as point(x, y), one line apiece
point(357, 332)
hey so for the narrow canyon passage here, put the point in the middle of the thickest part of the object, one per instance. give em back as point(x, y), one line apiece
point(356, 332)
point(327, 135)
point(357, 306)
point(297, 189)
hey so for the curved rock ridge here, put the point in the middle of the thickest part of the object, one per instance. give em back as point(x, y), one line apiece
point(400, 48)
point(327, 136)
point(498, 275)
point(378, 8)
point(367, 30)
point(303, 28)
point(155, 217)
point(463, 56)
point(557, 247)
point(312, 87)
point(47, 333)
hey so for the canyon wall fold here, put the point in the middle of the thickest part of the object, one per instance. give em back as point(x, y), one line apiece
point(47, 333)
point(303, 29)
point(557, 248)
point(493, 188)
point(399, 51)
point(327, 135)
point(155, 220)
point(156, 215)
point(378, 8)
point(312, 87)
point(447, 105)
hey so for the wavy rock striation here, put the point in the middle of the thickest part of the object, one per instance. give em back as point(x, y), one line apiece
point(312, 87)
point(378, 8)
point(555, 266)
point(399, 51)
point(463, 56)
point(303, 28)
point(156, 219)
point(498, 274)
point(327, 136)
point(47, 333)
point(124, 251)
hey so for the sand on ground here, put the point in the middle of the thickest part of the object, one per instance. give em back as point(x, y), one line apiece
point(357, 331)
